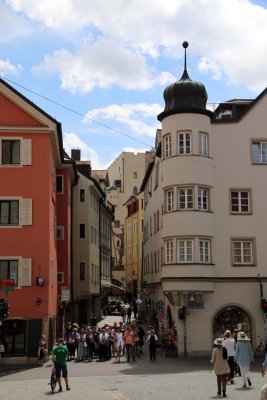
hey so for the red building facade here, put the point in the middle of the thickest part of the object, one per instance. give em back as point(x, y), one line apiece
point(35, 220)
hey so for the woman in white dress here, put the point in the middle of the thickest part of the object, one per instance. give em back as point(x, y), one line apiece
point(118, 345)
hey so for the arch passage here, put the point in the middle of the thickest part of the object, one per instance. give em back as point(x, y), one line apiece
point(231, 317)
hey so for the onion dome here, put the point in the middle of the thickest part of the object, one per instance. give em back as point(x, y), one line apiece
point(185, 96)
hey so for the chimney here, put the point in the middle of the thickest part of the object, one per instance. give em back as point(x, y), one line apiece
point(76, 154)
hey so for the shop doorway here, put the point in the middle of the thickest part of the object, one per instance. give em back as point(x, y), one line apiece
point(14, 336)
point(231, 317)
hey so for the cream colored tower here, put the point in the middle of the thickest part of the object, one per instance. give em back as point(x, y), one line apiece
point(211, 168)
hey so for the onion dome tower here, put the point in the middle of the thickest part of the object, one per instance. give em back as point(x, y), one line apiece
point(185, 96)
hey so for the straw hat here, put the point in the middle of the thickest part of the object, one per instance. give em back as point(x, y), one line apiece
point(218, 342)
point(242, 337)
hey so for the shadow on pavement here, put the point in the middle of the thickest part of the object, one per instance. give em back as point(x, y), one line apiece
point(10, 369)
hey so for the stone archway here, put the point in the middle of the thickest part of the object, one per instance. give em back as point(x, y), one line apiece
point(231, 317)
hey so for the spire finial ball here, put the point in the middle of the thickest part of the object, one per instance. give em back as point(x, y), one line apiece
point(185, 45)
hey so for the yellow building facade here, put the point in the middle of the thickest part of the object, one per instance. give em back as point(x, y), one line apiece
point(133, 242)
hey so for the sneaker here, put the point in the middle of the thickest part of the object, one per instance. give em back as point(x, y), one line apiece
point(67, 388)
point(60, 389)
point(232, 381)
point(224, 394)
point(249, 382)
point(219, 393)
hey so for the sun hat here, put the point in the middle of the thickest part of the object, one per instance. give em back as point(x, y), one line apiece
point(218, 342)
point(242, 337)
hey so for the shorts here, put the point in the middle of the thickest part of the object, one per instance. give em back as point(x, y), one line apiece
point(62, 368)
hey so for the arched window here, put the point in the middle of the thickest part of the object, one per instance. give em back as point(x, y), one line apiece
point(135, 190)
point(135, 175)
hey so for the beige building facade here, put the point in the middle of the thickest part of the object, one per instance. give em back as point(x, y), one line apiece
point(125, 177)
point(207, 182)
point(90, 268)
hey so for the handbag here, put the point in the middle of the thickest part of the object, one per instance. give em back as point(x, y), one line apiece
point(136, 338)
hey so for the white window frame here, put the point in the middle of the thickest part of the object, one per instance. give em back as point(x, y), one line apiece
point(239, 201)
point(167, 146)
point(188, 258)
point(187, 197)
point(169, 200)
point(261, 157)
point(242, 254)
point(183, 138)
point(203, 143)
point(169, 252)
point(202, 194)
point(204, 251)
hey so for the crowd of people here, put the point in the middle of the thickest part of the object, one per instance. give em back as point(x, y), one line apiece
point(104, 342)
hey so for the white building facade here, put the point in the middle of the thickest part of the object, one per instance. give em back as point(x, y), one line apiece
point(211, 194)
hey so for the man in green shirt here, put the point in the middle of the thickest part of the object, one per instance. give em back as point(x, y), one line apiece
point(60, 354)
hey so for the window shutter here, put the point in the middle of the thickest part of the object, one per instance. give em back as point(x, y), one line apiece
point(26, 275)
point(26, 152)
point(26, 212)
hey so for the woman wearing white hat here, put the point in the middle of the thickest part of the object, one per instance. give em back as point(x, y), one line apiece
point(244, 356)
point(220, 365)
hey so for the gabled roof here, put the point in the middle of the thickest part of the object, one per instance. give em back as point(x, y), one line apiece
point(31, 108)
point(240, 107)
point(131, 200)
point(36, 112)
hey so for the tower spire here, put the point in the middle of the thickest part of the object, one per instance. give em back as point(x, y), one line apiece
point(185, 74)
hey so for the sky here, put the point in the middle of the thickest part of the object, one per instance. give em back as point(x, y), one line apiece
point(100, 67)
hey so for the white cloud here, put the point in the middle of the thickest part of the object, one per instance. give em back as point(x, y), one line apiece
point(140, 117)
point(231, 35)
point(72, 141)
point(209, 65)
point(12, 26)
point(6, 68)
point(102, 64)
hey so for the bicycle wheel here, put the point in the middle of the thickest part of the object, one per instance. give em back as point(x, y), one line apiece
point(53, 383)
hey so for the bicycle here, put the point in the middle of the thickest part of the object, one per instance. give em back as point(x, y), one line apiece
point(259, 348)
point(53, 379)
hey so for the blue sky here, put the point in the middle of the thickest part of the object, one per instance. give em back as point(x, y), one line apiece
point(110, 61)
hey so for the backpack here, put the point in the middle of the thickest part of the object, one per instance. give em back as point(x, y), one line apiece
point(224, 352)
point(152, 340)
